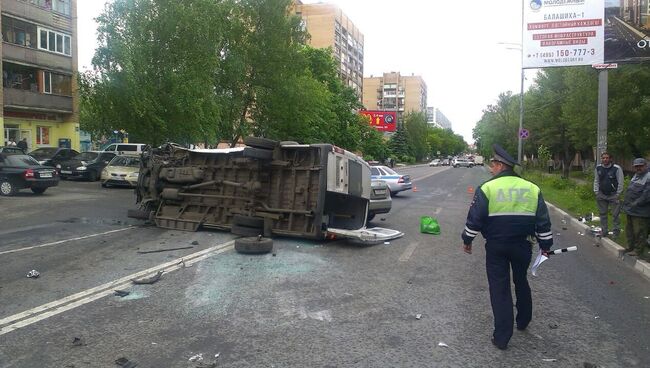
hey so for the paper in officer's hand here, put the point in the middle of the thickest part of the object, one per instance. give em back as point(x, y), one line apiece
point(538, 261)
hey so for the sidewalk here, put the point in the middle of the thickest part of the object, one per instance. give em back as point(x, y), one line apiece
point(614, 249)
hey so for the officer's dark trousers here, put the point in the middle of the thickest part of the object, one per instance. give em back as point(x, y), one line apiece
point(500, 258)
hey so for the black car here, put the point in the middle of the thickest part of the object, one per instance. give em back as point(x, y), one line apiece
point(11, 149)
point(23, 171)
point(86, 165)
point(53, 156)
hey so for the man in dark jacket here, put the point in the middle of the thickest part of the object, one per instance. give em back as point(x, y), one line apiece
point(507, 210)
point(637, 208)
point(608, 186)
point(22, 145)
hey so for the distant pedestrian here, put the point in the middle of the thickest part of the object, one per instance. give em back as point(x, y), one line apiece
point(507, 210)
point(22, 144)
point(550, 163)
point(636, 206)
point(608, 186)
point(12, 143)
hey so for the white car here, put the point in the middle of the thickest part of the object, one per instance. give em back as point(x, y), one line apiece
point(396, 182)
point(435, 162)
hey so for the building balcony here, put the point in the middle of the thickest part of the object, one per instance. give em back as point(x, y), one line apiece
point(32, 101)
point(43, 16)
point(47, 60)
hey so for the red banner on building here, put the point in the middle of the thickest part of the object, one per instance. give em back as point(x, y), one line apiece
point(383, 121)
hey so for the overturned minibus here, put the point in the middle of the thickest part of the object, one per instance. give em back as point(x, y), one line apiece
point(270, 188)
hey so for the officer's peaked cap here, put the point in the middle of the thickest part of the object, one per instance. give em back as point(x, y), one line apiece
point(502, 156)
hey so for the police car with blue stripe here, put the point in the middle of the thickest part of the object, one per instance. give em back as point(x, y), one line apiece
point(396, 182)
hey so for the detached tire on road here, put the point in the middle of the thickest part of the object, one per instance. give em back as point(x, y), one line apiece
point(259, 142)
point(246, 231)
point(253, 245)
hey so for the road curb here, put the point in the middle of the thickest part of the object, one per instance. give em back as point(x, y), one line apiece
point(611, 246)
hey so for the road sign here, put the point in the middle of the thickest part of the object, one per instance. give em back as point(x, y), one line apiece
point(523, 133)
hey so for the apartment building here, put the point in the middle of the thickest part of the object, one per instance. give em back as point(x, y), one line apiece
point(395, 92)
point(328, 26)
point(39, 63)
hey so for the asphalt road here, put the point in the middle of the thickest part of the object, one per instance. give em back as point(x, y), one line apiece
point(310, 304)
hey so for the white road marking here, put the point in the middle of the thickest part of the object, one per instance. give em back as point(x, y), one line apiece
point(408, 252)
point(66, 240)
point(44, 311)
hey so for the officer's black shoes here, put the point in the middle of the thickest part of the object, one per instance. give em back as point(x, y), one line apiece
point(521, 328)
point(500, 347)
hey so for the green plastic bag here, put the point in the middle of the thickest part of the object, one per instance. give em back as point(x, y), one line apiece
point(429, 225)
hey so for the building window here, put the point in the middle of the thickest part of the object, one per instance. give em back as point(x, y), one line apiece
point(57, 84)
point(18, 32)
point(59, 6)
point(42, 135)
point(52, 41)
point(19, 77)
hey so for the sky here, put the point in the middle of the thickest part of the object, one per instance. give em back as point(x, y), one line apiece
point(457, 47)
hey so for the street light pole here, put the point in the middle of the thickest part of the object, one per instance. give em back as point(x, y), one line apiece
point(520, 145)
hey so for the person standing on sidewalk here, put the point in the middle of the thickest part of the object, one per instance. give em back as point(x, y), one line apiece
point(551, 165)
point(507, 210)
point(608, 186)
point(636, 206)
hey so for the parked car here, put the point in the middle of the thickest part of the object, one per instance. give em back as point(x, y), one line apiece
point(463, 162)
point(53, 156)
point(380, 200)
point(86, 165)
point(396, 182)
point(121, 171)
point(15, 150)
point(21, 172)
point(479, 160)
point(444, 162)
point(435, 162)
point(125, 148)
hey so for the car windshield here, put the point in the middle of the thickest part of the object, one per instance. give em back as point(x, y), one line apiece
point(374, 171)
point(125, 161)
point(44, 152)
point(389, 171)
point(86, 156)
point(20, 161)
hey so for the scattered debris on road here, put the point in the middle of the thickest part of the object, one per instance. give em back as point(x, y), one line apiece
point(162, 250)
point(442, 345)
point(78, 341)
point(553, 326)
point(590, 365)
point(125, 363)
point(121, 293)
point(549, 360)
point(195, 242)
point(196, 358)
point(33, 274)
point(148, 280)
point(418, 316)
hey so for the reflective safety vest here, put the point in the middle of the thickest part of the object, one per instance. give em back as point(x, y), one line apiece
point(511, 196)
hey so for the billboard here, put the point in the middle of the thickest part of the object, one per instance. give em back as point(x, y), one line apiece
point(563, 33)
point(383, 121)
point(585, 32)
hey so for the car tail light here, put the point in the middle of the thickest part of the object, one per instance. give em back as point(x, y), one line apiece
point(29, 173)
point(400, 180)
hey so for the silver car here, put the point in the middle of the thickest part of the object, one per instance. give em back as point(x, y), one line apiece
point(380, 200)
point(396, 182)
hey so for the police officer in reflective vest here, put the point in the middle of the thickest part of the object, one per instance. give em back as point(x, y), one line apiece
point(507, 210)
